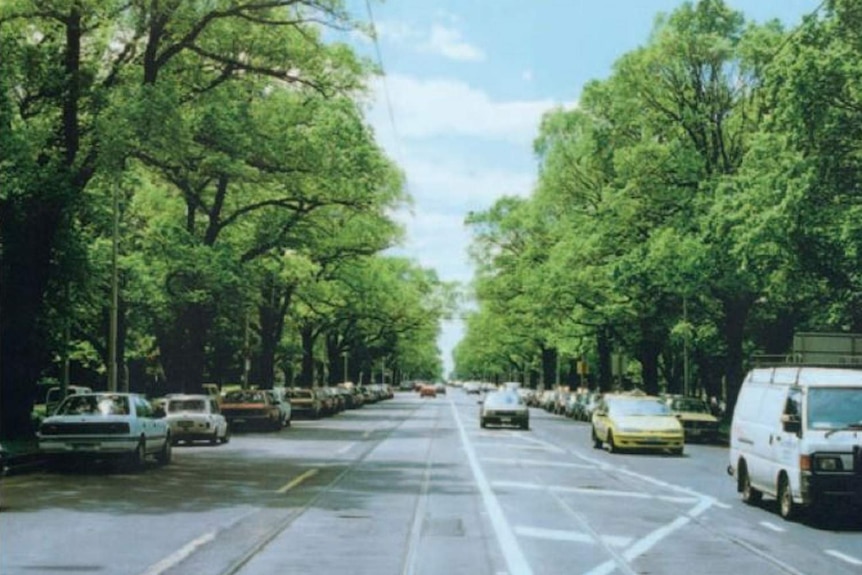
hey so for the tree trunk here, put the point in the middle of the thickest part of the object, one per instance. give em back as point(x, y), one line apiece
point(735, 317)
point(604, 346)
point(306, 375)
point(549, 366)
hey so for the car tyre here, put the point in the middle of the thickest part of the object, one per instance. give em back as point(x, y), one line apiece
point(750, 495)
point(787, 508)
point(165, 454)
point(597, 443)
point(612, 448)
point(482, 424)
point(138, 456)
point(226, 437)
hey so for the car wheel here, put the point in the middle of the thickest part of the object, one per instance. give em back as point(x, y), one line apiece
point(138, 456)
point(287, 422)
point(597, 443)
point(525, 426)
point(166, 453)
point(214, 439)
point(750, 495)
point(786, 506)
point(226, 436)
point(677, 451)
point(612, 448)
point(482, 424)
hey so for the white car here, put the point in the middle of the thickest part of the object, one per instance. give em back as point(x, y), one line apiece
point(106, 425)
point(196, 417)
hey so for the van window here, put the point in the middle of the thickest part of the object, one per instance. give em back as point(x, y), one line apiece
point(834, 407)
point(793, 407)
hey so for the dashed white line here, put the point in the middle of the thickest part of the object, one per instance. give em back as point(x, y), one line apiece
point(537, 463)
point(600, 492)
point(181, 554)
point(843, 556)
point(773, 527)
point(572, 536)
point(345, 449)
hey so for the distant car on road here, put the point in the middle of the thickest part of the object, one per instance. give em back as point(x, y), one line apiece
point(106, 425)
point(504, 408)
point(427, 391)
point(196, 417)
point(696, 418)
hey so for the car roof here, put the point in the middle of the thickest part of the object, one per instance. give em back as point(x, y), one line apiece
point(807, 376)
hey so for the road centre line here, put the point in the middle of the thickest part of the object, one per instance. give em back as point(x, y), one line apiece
point(516, 562)
point(297, 480)
point(773, 527)
point(346, 448)
point(179, 555)
point(847, 558)
point(599, 492)
point(571, 536)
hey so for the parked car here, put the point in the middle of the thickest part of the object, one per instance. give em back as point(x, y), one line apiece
point(304, 402)
point(697, 420)
point(196, 417)
point(796, 435)
point(636, 422)
point(282, 401)
point(504, 408)
point(106, 425)
point(251, 407)
point(428, 391)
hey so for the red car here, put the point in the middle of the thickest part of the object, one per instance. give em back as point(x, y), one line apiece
point(427, 391)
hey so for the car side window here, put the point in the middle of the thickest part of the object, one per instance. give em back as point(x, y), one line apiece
point(142, 407)
point(213, 406)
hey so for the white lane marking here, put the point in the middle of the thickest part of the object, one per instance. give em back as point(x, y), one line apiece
point(296, 481)
point(179, 555)
point(537, 463)
point(848, 558)
point(345, 449)
point(599, 492)
point(572, 536)
point(773, 527)
point(519, 446)
point(516, 562)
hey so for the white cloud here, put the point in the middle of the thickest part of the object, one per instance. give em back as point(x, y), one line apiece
point(433, 107)
point(448, 43)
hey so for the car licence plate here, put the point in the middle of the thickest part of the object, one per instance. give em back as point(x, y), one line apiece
point(83, 446)
point(505, 420)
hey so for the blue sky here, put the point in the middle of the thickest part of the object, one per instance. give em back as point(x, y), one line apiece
point(467, 83)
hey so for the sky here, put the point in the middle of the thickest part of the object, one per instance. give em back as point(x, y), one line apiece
point(465, 84)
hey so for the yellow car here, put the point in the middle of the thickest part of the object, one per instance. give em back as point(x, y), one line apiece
point(636, 422)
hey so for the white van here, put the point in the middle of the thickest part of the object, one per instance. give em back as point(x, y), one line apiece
point(797, 436)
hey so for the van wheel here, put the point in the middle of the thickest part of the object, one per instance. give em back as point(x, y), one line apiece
point(165, 454)
point(786, 506)
point(138, 456)
point(750, 495)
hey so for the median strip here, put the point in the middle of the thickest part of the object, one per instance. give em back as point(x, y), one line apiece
point(296, 481)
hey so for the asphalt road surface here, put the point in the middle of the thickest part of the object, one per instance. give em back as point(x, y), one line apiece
point(411, 486)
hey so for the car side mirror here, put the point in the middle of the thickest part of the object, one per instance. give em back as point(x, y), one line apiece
point(791, 423)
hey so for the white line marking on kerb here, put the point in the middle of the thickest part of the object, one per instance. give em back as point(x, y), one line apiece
point(848, 558)
point(179, 555)
point(773, 527)
point(514, 557)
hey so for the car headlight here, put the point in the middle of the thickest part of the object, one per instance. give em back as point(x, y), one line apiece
point(826, 463)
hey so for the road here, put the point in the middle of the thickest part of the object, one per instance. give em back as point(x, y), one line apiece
point(411, 486)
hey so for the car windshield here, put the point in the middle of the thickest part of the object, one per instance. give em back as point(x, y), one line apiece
point(627, 407)
point(176, 405)
point(834, 407)
point(94, 405)
point(503, 399)
point(690, 405)
point(244, 396)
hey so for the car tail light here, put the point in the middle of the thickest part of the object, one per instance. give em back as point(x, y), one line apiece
point(805, 463)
